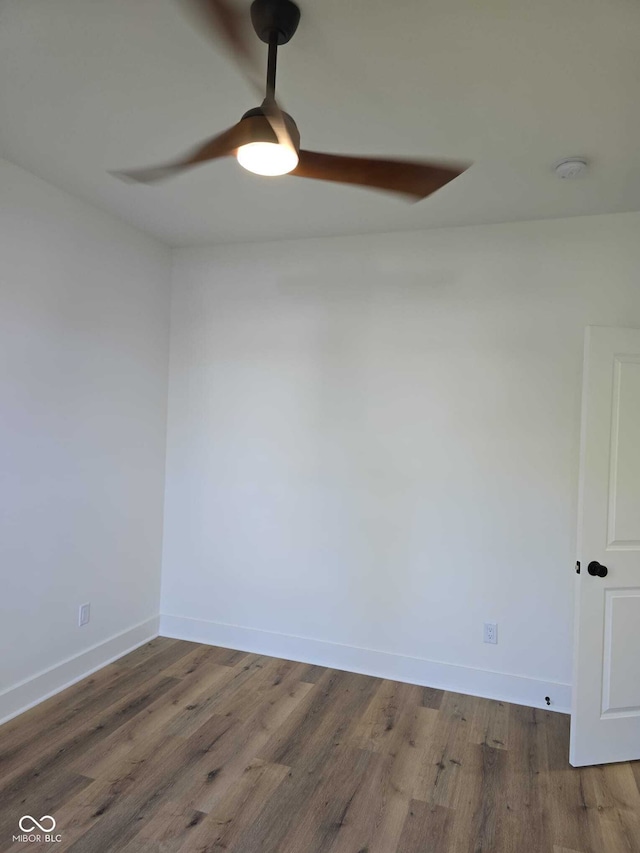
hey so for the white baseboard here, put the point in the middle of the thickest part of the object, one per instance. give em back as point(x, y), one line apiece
point(24, 695)
point(446, 676)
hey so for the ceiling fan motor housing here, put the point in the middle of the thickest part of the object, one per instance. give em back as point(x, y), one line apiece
point(275, 16)
point(258, 127)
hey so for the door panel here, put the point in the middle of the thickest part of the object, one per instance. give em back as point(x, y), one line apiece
point(621, 671)
point(605, 721)
point(624, 486)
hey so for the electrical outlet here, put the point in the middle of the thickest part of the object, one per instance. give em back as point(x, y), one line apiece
point(490, 632)
point(84, 614)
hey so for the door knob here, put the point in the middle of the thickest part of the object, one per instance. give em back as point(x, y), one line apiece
point(595, 569)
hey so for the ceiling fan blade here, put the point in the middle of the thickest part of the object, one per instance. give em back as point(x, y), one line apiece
point(222, 19)
point(219, 146)
point(416, 180)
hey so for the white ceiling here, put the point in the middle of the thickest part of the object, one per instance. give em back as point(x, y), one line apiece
point(513, 85)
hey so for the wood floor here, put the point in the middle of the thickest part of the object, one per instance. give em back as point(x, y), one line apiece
point(182, 747)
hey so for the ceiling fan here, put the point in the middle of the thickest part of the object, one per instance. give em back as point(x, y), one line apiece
point(266, 140)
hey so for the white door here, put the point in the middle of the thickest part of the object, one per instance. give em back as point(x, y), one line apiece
point(605, 722)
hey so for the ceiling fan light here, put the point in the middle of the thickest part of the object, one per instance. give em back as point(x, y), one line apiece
point(267, 158)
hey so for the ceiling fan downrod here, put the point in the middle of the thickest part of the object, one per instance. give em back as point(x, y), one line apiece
point(272, 62)
point(275, 22)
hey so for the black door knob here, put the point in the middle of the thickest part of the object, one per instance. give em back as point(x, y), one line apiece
point(595, 569)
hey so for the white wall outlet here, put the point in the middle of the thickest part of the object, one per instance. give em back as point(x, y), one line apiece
point(84, 614)
point(491, 632)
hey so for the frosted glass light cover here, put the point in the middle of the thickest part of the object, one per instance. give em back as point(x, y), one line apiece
point(267, 158)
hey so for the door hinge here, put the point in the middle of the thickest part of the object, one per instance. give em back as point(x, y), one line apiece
point(577, 567)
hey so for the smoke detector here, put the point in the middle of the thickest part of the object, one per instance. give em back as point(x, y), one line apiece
point(571, 167)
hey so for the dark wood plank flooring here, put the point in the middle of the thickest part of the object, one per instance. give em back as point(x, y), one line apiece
point(184, 748)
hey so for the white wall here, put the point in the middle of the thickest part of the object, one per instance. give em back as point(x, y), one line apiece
point(373, 446)
point(84, 322)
